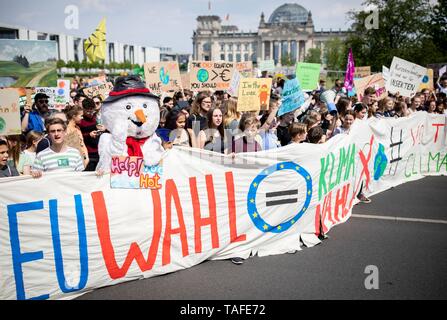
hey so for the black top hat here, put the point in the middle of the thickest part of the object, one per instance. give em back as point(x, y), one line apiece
point(129, 86)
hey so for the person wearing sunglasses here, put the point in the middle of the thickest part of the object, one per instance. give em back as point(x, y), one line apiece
point(33, 117)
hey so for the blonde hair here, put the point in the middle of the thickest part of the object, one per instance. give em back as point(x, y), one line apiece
point(232, 113)
point(31, 137)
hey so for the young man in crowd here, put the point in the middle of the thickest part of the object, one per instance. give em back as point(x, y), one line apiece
point(33, 117)
point(57, 157)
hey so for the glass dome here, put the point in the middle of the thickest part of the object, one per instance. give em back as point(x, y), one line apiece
point(289, 13)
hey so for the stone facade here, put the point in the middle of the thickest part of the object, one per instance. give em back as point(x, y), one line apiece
point(289, 32)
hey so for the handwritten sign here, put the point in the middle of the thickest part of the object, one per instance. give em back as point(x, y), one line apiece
point(101, 90)
point(405, 77)
point(131, 173)
point(9, 112)
point(254, 94)
point(162, 76)
point(362, 72)
point(292, 97)
point(245, 68)
point(308, 75)
point(267, 65)
point(233, 90)
point(96, 81)
point(185, 80)
point(211, 75)
point(375, 81)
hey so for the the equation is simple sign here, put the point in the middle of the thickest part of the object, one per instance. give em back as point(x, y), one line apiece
point(211, 75)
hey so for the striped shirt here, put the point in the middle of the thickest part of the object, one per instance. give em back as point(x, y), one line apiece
point(67, 161)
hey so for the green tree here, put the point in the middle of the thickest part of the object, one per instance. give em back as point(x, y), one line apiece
point(414, 30)
point(335, 54)
point(313, 56)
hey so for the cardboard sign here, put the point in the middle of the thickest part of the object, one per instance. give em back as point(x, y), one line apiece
point(185, 80)
point(385, 74)
point(308, 75)
point(162, 76)
point(254, 94)
point(233, 90)
point(267, 65)
point(211, 75)
point(362, 72)
point(427, 81)
point(9, 112)
point(376, 81)
point(292, 97)
point(245, 68)
point(405, 77)
point(131, 173)
point(101, 90)
point(96, 81)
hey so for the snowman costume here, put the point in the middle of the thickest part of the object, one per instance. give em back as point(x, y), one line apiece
point(131, 115)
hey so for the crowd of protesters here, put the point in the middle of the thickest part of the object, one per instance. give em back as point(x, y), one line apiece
point(68, 140)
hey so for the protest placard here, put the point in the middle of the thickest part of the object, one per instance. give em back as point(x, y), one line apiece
point(101, 90)
point(266, 65)
point(292, 97)
point(245, 68)
point(211, 75)
point(97, 81)
point(132, 173)
point(9, 112)
point(62, 94)
point(254, 94)
point(233, 90)
point(49, 91)
point(162, 76)
point(376, 81)
point(427, 81)
point(185, 80)
point(405, 77)
point(308, 75)
point(362, 72)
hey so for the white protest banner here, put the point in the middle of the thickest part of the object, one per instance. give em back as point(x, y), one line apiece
point(211, 75)
point(58, 245)
point(254, 94)
point(375, 81)
point(233, 90)
point(266, 65)
point(405, 77)
point(162, 76)
point(102, 90)
point(9, 112)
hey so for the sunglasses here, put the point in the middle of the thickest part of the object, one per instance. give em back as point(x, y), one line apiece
point(43, 101)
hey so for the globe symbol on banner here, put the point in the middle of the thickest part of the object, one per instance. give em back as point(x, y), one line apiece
point(203, 75)
point(380, 162)
point(164, 77)
point(2, 124)
point(425, 79)
point(60, 92)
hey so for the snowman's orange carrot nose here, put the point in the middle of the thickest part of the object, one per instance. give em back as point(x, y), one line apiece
point(140, 116)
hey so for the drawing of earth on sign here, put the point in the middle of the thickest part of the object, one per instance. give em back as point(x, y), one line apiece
point(203, 75)
point(380, 162)
point(2, 124)
point(164, 76)
point(425, 79)
point(279, 196)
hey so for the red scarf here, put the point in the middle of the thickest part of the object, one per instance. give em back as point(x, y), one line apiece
point(134, 146)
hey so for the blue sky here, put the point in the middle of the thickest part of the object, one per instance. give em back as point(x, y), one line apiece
point(167, 23)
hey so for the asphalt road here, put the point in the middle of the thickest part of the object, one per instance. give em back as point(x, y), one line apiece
point(410, 256)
